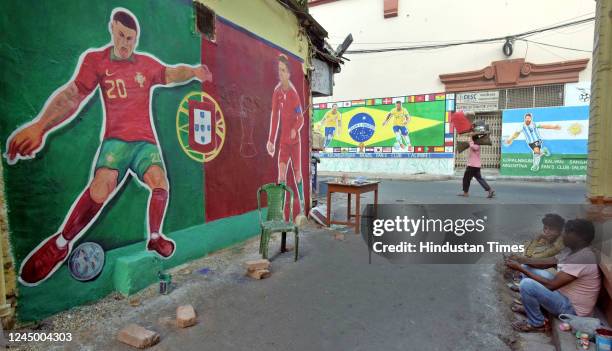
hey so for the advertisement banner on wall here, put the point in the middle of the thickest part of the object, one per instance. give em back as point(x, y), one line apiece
point(392, 127)
point(482, 101)
point(550, 141)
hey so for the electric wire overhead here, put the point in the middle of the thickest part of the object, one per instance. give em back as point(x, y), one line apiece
point(519, 36)
point(555, 46)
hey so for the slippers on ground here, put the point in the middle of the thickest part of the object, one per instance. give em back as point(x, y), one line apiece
point(491, 194)
point(524, 327)
point(513, 287)
point(516, 308)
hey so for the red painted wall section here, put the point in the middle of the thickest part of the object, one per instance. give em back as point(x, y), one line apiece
point(245, 72)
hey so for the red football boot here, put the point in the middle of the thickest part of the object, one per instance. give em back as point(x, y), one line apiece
point(162, 245)
point(43, 261)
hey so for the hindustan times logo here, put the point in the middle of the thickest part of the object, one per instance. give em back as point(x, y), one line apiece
point(414, 226)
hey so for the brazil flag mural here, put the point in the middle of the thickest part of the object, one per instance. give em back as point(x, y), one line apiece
point(409, 126)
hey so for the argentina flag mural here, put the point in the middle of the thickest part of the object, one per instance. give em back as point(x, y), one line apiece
point(549, 141)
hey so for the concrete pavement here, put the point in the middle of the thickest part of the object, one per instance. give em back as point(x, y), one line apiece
point(445, 192)
point(331, 299)
point(488, 173)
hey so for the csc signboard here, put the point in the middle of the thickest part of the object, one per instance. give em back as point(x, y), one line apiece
point(483, 101)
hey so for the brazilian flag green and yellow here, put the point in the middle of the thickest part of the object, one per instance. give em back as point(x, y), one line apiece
point(426, 126)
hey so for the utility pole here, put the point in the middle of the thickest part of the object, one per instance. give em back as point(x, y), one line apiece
point(599, 174)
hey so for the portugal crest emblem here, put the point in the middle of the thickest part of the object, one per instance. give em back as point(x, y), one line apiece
point(200, 126)
point(140, 79)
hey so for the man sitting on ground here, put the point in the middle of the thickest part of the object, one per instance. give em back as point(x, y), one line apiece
point(548, 244)
point(573, 289)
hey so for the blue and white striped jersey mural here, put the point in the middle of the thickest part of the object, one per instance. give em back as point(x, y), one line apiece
point(545, 141)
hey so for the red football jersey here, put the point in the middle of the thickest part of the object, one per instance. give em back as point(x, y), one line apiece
point(126, 91)
point(286, 109)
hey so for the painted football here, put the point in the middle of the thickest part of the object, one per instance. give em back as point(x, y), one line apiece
point(86, 261)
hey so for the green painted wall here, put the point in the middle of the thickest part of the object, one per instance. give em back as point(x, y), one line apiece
point(38, 56)
point(554, 165)
point(62, 291)
point(34, 65)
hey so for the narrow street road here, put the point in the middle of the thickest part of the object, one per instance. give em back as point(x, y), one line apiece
point(331, 299)
point(506, 192)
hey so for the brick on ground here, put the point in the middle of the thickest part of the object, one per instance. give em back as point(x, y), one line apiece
point(259, 274)
point(137, 336)
point(185, 316)
point(255, 265)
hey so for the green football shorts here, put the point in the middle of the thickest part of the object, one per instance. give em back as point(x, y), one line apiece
point(123, 155)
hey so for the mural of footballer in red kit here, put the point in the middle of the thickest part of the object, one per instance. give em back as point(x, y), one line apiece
point(129, 143)
point(287, 119)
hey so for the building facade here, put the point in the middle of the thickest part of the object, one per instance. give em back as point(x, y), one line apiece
point(411, 51)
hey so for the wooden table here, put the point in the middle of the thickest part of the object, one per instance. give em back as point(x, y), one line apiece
point(350, 189)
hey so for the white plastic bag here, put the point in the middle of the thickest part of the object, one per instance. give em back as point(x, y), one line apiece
point(318, 214)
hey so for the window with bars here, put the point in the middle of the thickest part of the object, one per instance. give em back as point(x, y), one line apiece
point(536, 96)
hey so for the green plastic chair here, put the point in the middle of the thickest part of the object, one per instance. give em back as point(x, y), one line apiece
point(275, 219)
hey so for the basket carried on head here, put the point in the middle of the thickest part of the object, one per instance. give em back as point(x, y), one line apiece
point(481, 131)
point(480, 127)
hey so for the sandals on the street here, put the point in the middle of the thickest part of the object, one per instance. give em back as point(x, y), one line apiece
point(516, 308)
point(524, 327)
point(514, 287)
point(491, 194)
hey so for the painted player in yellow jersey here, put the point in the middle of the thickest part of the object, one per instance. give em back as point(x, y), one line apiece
point(332, 121)
point(401, 118)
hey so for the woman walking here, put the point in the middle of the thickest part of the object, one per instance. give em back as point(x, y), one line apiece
point(473, 170)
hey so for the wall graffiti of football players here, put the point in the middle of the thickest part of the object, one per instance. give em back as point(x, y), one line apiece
point(401, 118)
point(530, 131)
point(332, 122)
point(129, 144)
point(287, 119)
